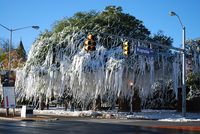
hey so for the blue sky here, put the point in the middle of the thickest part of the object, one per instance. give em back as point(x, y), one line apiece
point(153, 13)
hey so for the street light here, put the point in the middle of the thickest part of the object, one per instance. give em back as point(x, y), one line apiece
point(10, 45)
point(183, 65)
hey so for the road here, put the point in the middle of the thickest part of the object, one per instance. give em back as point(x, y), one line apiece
point(97, 126)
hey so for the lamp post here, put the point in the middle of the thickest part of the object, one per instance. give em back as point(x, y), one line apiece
point(10, 44)
point(183, 65)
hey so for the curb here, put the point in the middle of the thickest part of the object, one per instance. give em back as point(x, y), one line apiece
point(37, 118)
point(9, 119)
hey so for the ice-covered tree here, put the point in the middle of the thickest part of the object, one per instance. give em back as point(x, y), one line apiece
point(58, 63)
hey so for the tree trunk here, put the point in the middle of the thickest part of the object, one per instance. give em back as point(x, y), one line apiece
point(124, 104)
point(41, 103)
point(97, 103)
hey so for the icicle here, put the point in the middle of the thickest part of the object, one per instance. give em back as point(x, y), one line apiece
point(175, 75)
point(103, 72)
point(151, 70)
point(195, 62)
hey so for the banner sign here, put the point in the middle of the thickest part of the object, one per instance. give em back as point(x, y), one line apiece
point(9, 97)
point(8, 86)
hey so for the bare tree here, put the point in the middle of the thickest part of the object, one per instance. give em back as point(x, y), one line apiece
point(4, 44)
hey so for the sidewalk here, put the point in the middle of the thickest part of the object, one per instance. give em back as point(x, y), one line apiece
point(18, 117)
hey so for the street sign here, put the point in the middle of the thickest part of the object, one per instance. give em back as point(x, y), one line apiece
point(144, 51)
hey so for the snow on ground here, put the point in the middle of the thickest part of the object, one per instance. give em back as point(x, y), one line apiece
point(65, 113)
point(165, 115)
point(160, 115)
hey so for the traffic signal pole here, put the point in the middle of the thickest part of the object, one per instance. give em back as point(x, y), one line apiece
point(137, 40)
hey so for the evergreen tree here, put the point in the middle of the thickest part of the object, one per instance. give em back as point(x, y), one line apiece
point(21, 51)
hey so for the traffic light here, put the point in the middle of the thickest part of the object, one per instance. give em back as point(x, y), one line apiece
point(126, 48)
point(90, 44)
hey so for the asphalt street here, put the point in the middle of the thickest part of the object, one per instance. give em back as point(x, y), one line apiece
point(94, 126)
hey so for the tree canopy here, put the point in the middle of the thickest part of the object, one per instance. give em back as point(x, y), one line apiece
point(161, 39)
point(112, 20)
